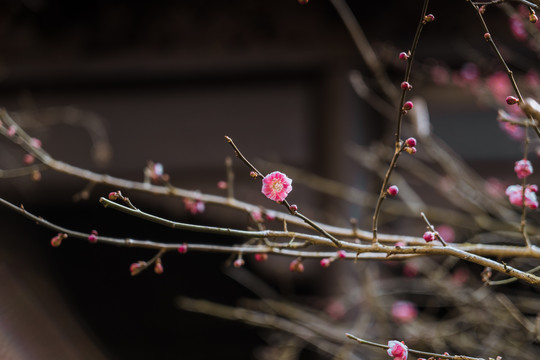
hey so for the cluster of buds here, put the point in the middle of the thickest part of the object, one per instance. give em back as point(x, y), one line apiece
point(56, 241)
point(515, 195)
point(410, 145)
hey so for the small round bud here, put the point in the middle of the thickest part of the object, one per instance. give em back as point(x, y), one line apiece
point(158, 267)
point(511, 100)
point(429, 236)
point(429, 18)
point(482, 9)
point(487, 36)
point(92, 238)
point(222, 185)
point(182, 249)
point(113, 196)
point(137, 267)
point(57, 240)
point(296, 266)
point(28, 159)
point(238, 263)
point(261, 257)
point(403, 56)
point(410, 142)
point(253, 174)
point(341, 254)
point(533, 18)
point(293, 208)
point(406, 86)
point(410, 150)
point(325, 262)
point(392, 190)
point(408, 105)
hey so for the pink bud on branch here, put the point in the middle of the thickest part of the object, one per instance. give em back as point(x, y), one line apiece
point(392, 190)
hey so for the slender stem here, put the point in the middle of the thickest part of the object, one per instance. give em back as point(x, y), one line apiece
point(432, 228)
point(398, 148)
point(509, 72)
point(412, 351)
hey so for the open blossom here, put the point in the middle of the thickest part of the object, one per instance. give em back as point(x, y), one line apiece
point(276, 186)
point(523, 168)
point(515, 195)
point(398, 350)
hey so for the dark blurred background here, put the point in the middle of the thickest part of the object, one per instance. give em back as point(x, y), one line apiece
point(110, 85)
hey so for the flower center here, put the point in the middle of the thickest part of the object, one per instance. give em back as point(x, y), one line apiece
point(277, 185)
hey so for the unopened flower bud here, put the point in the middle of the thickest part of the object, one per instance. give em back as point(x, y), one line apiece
point(158, 267)
point(238, 263)
point(511, 100)
point(429, 18)
point(261, 257)
point(296, 266)
point(406, 86)
point(392, 190)
point(341, 254)
point(408, 105)
point(487, 36)
point(182, 249)
point(92, 238)
point(325, 262)
point(403, 56)
point(410, 150)
point(410, 142)
point(533, 18)
point(137, 267)
point(293, 208)
point(429, 236)
point(253, 174)
point(113, 196)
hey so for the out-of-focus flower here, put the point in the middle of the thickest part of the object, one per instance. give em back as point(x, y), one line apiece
point(523, 168)
point(404, 311)
point(515, 195)
point(194, 206)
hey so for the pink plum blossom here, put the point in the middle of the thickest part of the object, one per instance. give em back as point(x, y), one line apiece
point(523, 168)
point(404, 311)
point(515, 195)
point(276, 186)
point(397, 349)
